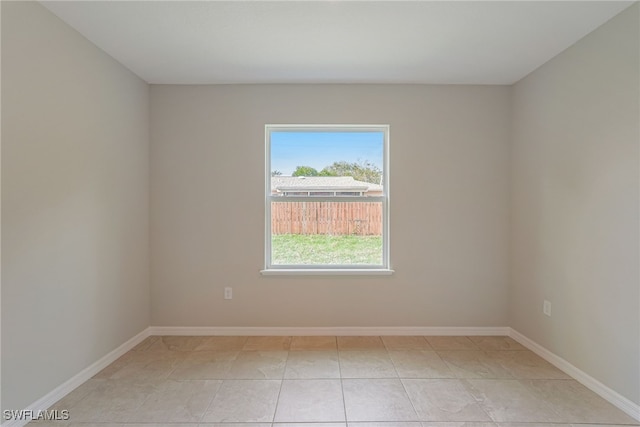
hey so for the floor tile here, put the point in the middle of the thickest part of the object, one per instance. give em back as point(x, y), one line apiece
point(526, 365)
point(406, 343)
point(464, 424)
point(117, 365)
point(366, 364)
point(386, 424)
point(160, 354)
point(577, 404)
point(637, 423)
point(181, 343)
point(176, 401)
point(536, 425)
point(267, 343)
point(451, 343)
point(144, 365)
point(222, 343)
point(112, 401)
point(309, 424)
point(158, 369)
point(497, 343)
point(419, 364)
point(310, 401)
point(75, 396)
point(443, 400)
point(258, 365)
point(244, 401)
point(312, 364)
point(146, 425)
point(230, 425)
point(54, 423)
point(510, 401)
point(204, 365)
point(473, 364)
point(377, 400)
point(72, 424)
point(168, 343)
point(111, 425)
point(146, 344)
point(313, 343)
point(360, 343)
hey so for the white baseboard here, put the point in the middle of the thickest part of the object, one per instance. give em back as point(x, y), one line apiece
point(325, 330)
point(616, 399)
point(78, 379)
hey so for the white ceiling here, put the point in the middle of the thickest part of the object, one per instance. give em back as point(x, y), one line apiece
point(443, 42)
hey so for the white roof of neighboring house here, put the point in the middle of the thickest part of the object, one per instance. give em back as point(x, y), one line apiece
point(319, 183)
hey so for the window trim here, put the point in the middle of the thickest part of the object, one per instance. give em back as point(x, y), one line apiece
point(364, 269)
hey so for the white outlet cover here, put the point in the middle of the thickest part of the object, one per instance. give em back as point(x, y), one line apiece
point(546, 308)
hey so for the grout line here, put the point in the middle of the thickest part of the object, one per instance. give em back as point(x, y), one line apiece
point(413, 406)
point(344, 399)
point(211, 401)
point(284, 370)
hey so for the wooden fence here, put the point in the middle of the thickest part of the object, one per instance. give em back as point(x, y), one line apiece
point(333, 218)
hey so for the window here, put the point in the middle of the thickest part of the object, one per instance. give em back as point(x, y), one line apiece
point(327, 199)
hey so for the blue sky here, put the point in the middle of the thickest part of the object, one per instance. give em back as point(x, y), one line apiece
point(290, 149)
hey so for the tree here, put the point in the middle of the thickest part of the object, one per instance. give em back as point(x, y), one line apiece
point(362, 170)
point(305, 171)
point(276, 173)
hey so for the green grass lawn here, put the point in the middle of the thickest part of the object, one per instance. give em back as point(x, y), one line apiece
point(321, 249)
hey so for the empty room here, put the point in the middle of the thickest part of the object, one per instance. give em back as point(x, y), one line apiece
point(320, 213)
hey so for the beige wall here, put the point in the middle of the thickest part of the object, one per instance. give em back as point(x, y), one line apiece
point(575, 193)
point(74, 203)
point(449, 206)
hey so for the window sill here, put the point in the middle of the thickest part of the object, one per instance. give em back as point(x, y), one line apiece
point(328, 272)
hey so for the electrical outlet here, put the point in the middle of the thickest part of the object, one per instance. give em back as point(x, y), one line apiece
point(546, 308)
point(228, 293)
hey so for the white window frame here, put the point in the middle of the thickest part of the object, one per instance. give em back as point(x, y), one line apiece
point(277, 269)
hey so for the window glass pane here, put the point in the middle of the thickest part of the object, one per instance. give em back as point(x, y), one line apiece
point(323, 161)
point(326, 233)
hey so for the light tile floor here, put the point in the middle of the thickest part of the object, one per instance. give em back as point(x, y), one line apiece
point(334, 382)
